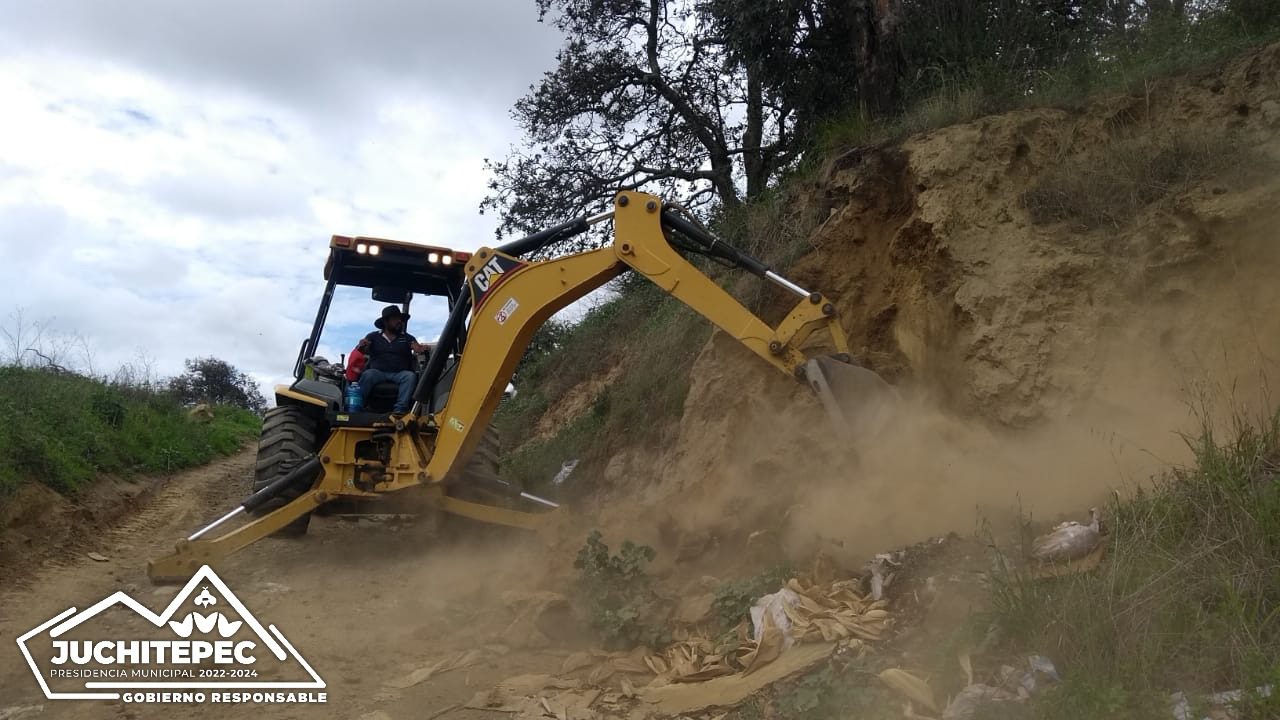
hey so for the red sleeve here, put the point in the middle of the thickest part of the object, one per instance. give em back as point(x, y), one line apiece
point(355, 365)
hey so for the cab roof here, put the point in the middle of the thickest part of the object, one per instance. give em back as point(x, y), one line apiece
point(380, 263)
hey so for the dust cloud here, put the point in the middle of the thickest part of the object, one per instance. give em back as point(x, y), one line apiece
point(756, 458)
point(1042, 367)
point(1200, 355)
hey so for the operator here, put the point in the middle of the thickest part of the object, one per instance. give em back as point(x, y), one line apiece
point(390, 351)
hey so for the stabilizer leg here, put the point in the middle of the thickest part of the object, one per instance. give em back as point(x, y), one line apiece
point(190, 555)
point(493, 514)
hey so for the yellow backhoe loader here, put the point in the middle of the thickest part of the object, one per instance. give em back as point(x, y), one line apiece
point(315, 454)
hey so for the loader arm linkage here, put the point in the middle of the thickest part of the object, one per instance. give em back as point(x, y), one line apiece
point(509, 299)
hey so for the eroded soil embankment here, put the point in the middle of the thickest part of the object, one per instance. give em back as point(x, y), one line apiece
point(1044, 361)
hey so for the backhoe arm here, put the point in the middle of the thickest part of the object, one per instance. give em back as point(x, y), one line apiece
point(508, 299)
point(512, 298)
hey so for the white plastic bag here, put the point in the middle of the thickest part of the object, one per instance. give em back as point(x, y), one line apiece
point(775, 606)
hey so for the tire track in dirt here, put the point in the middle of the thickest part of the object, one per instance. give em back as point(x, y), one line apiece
point(70, 578)
point(187, 502)
point(180, 504)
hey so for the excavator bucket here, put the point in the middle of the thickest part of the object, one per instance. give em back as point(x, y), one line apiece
point(858, 401)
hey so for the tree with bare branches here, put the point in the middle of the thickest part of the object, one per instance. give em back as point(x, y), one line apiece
point(643, 96)
point(36, 343)
point(707, 101)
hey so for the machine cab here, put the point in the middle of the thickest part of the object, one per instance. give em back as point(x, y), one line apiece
point(394, 272)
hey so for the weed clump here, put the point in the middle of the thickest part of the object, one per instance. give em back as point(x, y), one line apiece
point(1138, 171)
point(733, 598)
point(618, 595)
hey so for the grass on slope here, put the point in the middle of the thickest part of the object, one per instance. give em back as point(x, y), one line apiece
point(959, 95)
point(651, 336)
point(1188, 598)
point(1139, 170)
point(63, 430)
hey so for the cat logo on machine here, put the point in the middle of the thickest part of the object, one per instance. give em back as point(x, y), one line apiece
point(492, 274)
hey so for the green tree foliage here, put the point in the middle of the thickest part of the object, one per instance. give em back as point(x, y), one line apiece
point(644, 94)
point(816, 56)
point(218, 382)
point(712, 101)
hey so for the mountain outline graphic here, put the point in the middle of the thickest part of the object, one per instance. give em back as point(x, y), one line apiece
point(270, 636)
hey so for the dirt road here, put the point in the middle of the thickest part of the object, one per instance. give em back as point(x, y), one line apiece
point(364, 603)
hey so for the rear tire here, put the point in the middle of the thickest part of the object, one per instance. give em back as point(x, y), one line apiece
point(484, 461)
point(288, 438)
point(479, 480)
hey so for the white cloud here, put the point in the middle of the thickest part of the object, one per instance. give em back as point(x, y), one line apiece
point(173, 192)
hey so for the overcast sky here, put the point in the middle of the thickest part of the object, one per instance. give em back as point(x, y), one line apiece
point(170, 172)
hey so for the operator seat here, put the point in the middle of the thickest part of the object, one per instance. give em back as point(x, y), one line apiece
point(382, 397)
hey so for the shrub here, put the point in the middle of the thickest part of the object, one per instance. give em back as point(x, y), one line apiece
point(618, 594)
point(734, 598)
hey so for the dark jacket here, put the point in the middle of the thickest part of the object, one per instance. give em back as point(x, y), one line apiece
point(390, 356)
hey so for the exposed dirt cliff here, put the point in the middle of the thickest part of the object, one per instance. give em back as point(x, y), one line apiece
point(1049, 288)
